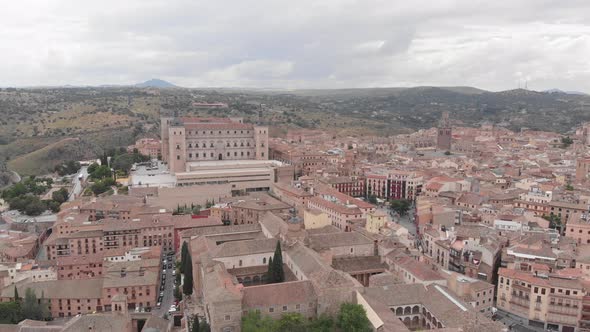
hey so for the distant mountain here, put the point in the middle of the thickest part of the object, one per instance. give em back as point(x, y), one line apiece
point(566, 92)
point(155, 83)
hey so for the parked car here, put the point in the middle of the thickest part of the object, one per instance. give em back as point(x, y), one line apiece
point(172, 308)
point(158, 305)
point(161, 293)
point(169, 265)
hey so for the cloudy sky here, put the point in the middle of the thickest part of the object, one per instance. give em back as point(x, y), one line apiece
point(297, 44)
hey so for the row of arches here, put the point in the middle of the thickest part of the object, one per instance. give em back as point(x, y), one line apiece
point(427, 319)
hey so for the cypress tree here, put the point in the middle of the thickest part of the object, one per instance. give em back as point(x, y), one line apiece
point(277, 261)
point(270, 274)
point(187, 286)
point(16, 298)
point(195, 324)
point(183, 254)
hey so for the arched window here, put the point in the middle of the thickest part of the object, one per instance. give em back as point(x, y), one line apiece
point(264, 260)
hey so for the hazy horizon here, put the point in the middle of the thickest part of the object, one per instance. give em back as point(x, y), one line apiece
point(304, 45)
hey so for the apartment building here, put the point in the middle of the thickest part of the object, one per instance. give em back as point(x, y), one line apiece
point(545, 300)
point(350, 185)
point(393, 184)
point(343, 210)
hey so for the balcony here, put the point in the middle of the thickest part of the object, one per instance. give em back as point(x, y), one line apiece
point(560, 319)
point(522, 302)
point(521, 288)
point(563, 310)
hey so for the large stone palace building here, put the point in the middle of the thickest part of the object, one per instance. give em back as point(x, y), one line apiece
point(189, 140)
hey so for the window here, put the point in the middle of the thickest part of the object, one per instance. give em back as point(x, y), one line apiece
point(271, 309)
point(284, 308)
point(227, 317)
point(297, 306)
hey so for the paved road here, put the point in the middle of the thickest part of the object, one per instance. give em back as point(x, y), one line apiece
point(516, 324)
point(168, 292)
point(406, 220)
point(77, 184)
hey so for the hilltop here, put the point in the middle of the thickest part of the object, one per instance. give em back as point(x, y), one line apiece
point(155, 83)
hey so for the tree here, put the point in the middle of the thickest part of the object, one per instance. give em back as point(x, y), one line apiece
point(566, 142)
point(183, 255)
point(44, 308)
point(372, 199)
point(16, 297)
point(401, 206)
point(269, 273)
point(324, 323)
point(204, 326)
point(254, 322)
point(177, 293)
point(196, 326)
point(554, 221)
point(60, 195)
point(291, 322)
point(353, 318)
point(31, 308)
point(447, 153)
point(277, 268)
point(187, 286)
point(196, 210)
point(569, 187)
point(10, 312)
point(100, 172)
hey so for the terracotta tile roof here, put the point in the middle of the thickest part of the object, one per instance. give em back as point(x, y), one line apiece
point(418, 269)
point(285, 293)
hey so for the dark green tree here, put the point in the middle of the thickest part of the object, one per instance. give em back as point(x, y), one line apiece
point(16, 297)
point(277, 261)
point(44, 308)
point(31, 307)
point(401, 206)
point(195, 326)
point(60, 195)
point(183, 255)
point(353, 318)
point(269, 273)
point(10, 312)
point(187, 286)
point(205, 326)
point(372, 199)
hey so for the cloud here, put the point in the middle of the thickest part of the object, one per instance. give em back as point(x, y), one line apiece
point(298, 44)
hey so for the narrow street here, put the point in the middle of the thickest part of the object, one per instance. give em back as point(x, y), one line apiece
point(168, 298)
point(77, 184)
